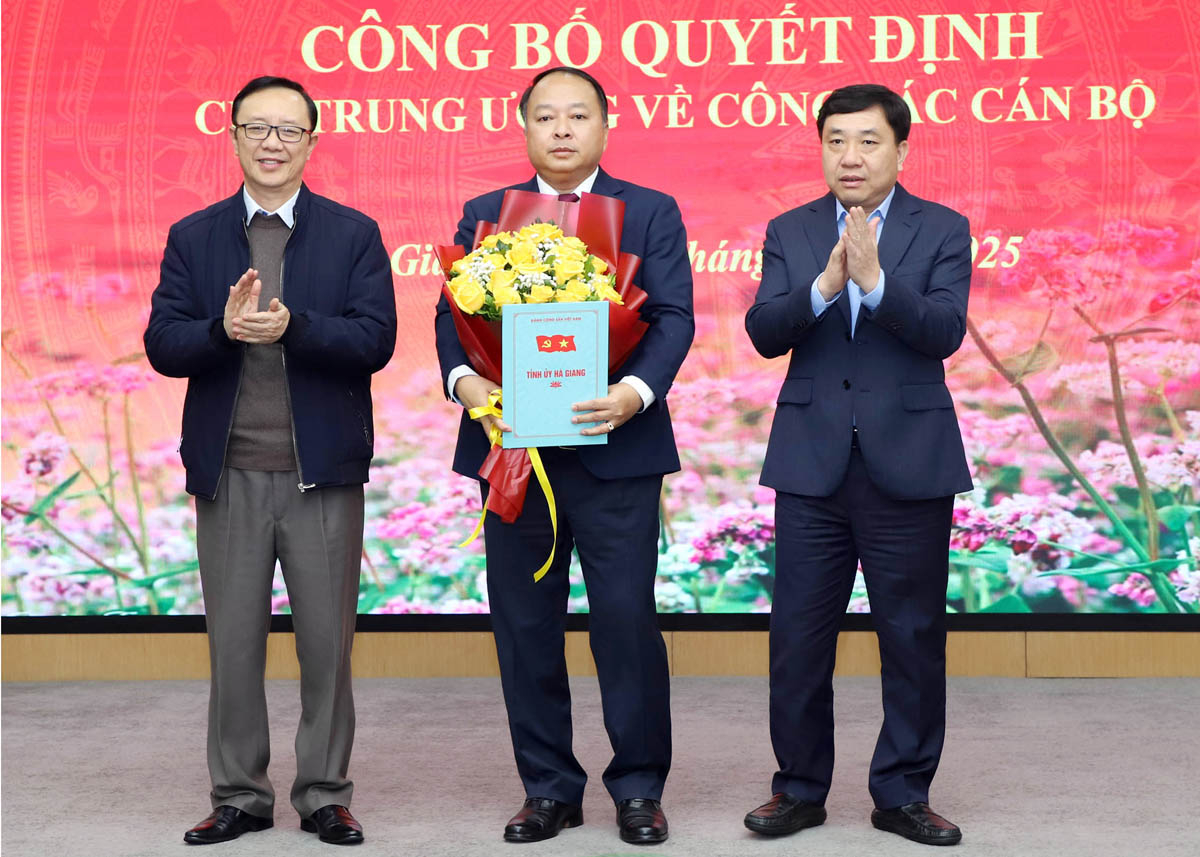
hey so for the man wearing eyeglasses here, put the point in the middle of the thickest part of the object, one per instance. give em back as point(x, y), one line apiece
point(277, 305)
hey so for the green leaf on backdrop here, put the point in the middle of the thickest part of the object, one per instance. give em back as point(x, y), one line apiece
point(1008, 604)
point(371, 598)
point(1128, 495)
point(1006, 476)
point(990, 560)
point(173, 570)
point(1091, 574)
point(1037, 359)
point(48, 501)
point(1175, 517)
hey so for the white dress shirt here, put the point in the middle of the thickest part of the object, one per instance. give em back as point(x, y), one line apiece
point(286, 212)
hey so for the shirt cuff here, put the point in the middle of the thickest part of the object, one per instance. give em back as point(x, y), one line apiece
point(819, 304)
point(642, 390)
point(457, 372)
point(872, 298)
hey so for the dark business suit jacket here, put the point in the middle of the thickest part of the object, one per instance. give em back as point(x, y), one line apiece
point(887, 378)
point(653, 229)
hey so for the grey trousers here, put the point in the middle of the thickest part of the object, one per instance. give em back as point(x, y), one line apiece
point(256, 518)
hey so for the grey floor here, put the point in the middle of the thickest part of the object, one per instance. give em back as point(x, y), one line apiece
point(1031, 767)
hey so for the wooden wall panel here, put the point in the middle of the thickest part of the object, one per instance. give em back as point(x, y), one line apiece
point(385, 654)
point(746, 653)
point(1097, 655)
point(72, 657)
point(720, 652)
point(998, 653)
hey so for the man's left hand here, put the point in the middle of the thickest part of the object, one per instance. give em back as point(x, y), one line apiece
point(862, 252)
point(262, 328)
point(614, 410)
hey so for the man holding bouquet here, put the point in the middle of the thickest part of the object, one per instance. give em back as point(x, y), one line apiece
point(607, 497)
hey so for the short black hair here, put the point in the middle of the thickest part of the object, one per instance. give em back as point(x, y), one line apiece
point(864, 96)
point(271, 82)
point(565, 69)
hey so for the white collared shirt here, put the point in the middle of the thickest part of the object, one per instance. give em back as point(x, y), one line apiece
point(585, 186)
point(286, 212)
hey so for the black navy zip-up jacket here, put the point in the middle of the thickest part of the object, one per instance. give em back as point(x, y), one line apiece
point(337, 285)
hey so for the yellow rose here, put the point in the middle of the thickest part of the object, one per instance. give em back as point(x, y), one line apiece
point(598, 264)
point(522, 251)
point(490, 241)
point(468, 294)
point(575, 243)
point(605, 290)
point(523, 256)
point(460, 265)
point(562, 250)
point(505, 295)
point(496, 259)
point(577, 290)
point(540, 294)
point(540, 232)
point(567, 269)
point(502, 279)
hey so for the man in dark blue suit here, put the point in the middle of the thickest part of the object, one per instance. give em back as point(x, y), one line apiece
point(607, 498)
point(866, 287)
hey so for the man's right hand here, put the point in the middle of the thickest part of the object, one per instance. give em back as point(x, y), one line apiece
point(243, 299)
point(834, 277)
point(473, 392)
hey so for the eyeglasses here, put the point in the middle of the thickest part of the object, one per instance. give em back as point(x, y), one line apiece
point(285, 133)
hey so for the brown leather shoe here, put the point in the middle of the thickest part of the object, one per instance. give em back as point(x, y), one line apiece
point(541, 818)
point(916, 821)
point(641, 821)
point(225, 823)
point(334, 824)
point(784, 814)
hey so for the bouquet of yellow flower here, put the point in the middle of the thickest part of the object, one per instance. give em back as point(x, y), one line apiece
point(527, 257)
point(535, 265)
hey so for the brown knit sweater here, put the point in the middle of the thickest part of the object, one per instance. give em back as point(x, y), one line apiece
point(261, 438)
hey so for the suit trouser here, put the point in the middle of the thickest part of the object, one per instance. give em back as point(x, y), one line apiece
point(614, 525)
point(903, 546)
point(256, 518)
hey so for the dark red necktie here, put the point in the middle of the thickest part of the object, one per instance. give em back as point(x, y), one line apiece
point(568, 197)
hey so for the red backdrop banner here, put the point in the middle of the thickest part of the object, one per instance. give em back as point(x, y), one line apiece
point(1062, 129)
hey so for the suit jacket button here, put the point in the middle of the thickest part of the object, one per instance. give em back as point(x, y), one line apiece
point(846, 385)
point(848, 337)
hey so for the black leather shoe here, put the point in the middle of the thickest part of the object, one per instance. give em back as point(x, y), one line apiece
point(916, 821)
point(641, 821)
point(784, 814)
point(334, 824)
point(541, 818)
point(225, 823)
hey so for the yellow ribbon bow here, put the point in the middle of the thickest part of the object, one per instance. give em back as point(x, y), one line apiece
point(495, 436)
